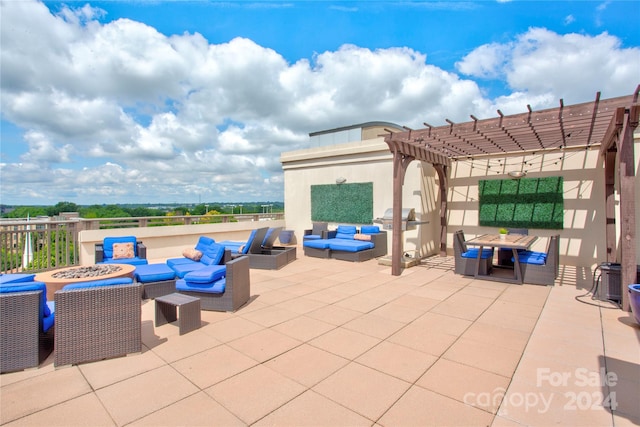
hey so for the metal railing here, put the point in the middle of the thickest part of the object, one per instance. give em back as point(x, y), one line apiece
point(38, 246)
point(45, 243)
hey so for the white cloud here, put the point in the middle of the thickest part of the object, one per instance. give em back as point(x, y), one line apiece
point(134, 115)
point(571, 66)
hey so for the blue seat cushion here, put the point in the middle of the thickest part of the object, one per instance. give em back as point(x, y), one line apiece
point(370, 229)
point(130, 261)
point(182, 269)
point(473, 253)
point(180, 261)
point(349, 245)
point(317, 243)
point(45, 307)
point(153, 273)
point(207, 274)
point(212, 255)
point(217, 287)
point(49, 319)
point(312, 237)
point(529, 257)
point(16, 278)
point(99, 283)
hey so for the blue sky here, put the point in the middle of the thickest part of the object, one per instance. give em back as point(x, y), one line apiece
point(117, 101)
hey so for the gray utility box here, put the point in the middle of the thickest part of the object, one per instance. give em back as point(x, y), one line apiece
point(610, 287)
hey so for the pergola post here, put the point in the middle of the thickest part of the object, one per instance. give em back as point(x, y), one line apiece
point(444, 186)
point(400, 164)
point(627, 202)
point(610, 204)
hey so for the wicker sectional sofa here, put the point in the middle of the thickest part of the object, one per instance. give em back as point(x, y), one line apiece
point(347, 244)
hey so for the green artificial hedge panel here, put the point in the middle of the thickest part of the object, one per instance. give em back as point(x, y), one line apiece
point(522, 203)
point(342, 203)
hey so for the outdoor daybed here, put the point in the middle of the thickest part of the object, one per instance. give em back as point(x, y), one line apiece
point(347, 244)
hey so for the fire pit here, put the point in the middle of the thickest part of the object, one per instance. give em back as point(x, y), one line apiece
point(56, 279)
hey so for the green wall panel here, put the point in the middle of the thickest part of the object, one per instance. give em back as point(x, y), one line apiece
point(522, 203)
point(343, 203)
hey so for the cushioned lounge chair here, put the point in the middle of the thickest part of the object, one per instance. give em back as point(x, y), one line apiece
point(466, 259)
point(26, 322)
point(220, 288)
point(97, 320)
point(121, 250)
point(252, 244)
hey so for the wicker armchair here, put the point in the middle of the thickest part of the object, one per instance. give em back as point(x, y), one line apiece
point(104, 251)
point(316, 231)
point(237, 289)
point(24, 342)
point(542, 274)
point(466, 259)
point(97, 322)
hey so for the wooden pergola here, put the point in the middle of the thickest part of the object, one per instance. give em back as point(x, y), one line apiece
point(607, 123)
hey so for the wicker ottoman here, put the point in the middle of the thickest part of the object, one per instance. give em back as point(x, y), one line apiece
point(173, 306)
point(156, 279)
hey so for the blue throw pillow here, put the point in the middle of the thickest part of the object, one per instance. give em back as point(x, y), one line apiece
point(346, 229)
point(369, 229)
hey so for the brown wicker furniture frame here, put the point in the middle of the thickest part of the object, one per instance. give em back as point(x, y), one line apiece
point(23, 345)
point(152, 290)
point(237, 290)
point(175, 306)
point(97, 323)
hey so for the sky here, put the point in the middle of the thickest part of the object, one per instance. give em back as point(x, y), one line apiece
point(193, 101)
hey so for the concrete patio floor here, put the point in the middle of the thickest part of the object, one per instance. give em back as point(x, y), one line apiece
point(329, 343)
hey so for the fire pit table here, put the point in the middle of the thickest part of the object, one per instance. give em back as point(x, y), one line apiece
point(57, 279)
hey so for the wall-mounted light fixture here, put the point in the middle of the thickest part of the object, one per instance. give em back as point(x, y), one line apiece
point(341, 180)
point(517, 174)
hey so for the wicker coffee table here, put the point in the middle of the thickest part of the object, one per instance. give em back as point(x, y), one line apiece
point(173, 306)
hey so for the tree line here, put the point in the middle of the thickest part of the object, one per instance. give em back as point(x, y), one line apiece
point(123, 211)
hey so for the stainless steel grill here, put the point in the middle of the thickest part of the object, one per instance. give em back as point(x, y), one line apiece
point(408, 219)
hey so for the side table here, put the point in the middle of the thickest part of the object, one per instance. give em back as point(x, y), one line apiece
point(170, 307)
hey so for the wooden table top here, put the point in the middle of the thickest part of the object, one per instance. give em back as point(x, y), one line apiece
point(515, 241)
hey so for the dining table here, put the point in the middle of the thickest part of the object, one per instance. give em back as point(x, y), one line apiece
point(515, 242)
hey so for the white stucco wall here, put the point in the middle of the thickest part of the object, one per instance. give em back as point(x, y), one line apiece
point(582, 241)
